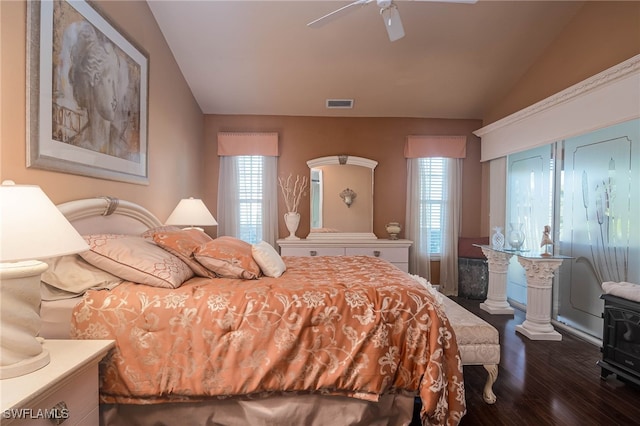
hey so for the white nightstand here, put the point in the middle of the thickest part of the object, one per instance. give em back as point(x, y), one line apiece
point(67, 388)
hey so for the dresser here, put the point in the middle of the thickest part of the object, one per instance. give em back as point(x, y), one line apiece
point(65, 391)
point(393, 251)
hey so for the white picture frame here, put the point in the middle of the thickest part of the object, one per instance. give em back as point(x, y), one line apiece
point(87, 94)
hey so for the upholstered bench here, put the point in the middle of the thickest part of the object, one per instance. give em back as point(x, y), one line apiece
point(478, 342)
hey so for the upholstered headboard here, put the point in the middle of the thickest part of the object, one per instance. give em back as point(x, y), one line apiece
point(108, 215)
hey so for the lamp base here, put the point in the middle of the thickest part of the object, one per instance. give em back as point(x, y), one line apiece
point(25, 366)
point(21, 350)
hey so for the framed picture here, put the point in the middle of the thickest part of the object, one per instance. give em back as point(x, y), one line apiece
point(87, 94)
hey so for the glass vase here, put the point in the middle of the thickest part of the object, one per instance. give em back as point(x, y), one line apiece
point(516, 235)
point(497, 240)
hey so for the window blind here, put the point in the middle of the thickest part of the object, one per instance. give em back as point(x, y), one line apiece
point(432, 198)
point(250, 196)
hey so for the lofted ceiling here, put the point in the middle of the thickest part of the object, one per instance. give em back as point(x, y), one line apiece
point(259, 57)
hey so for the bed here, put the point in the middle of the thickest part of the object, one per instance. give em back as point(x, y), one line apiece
point(347, 338)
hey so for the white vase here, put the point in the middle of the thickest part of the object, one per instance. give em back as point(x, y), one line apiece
point(393, 228)
point(292, 220)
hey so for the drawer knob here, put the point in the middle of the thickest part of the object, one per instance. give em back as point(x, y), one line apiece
point(60, 413)
point(376, 253)
point(313, 253)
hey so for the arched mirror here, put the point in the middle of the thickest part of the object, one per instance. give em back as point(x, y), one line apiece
point(341, 192)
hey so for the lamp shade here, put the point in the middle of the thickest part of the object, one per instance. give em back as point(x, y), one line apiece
point(32, 227)
point(191, 212)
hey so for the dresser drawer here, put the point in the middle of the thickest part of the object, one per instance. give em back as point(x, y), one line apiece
point(403, 266)
point(312, 251)
point(65, 390)
point(71, 403)
point(390, 254)
point(92, 419)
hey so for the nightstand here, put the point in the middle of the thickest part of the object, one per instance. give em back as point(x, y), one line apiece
point(63, 392)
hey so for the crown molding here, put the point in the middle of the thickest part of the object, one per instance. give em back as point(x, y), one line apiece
point(607, 76)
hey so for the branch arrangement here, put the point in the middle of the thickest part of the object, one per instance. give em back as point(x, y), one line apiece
point(293, 190)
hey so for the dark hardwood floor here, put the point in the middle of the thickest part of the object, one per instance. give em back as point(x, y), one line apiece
point(546, 383)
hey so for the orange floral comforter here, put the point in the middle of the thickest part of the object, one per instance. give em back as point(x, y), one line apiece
point(353, 326)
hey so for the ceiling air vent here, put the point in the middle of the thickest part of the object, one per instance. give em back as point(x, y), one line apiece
point(339, 103)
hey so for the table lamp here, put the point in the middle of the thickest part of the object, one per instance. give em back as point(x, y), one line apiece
point(191, 212)
point(31, 228)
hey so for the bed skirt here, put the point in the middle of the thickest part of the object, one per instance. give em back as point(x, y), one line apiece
point(308, 410)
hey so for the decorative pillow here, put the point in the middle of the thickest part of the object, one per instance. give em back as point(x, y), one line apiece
point(228, 257)
point(148, 234)
point(136, 259)
point(74, 276)
point(270, 262)
point(182, 244)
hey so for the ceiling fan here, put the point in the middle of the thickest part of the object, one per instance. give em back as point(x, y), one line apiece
point(388, 11)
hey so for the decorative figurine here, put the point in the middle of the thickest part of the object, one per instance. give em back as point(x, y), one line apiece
point(546, 242)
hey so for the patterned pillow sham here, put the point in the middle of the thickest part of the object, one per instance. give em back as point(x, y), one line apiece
point(183, 244)
point(148, 234)
point(269, 260)
point(228, 257)
point(136, 259)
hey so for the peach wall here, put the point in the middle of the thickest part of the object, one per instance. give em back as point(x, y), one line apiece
point(175, 131)
point(601, 35)
point(335, 214)
point(380, 139)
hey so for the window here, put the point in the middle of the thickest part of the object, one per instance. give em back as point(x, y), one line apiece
point(250, 196)
point(431, 203)
point(433, 217)
point(247, 198)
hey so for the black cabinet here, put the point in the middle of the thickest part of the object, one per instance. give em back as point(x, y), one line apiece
point(473, 278)
point(621, 339)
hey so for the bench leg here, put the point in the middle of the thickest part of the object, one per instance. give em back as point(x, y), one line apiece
point(488, 395)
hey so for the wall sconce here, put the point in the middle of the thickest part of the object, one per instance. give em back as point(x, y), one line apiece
point(192, 213)
point(348, 196)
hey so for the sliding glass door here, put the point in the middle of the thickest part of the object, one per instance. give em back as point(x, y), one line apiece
point(599, 220)
point(588, 189)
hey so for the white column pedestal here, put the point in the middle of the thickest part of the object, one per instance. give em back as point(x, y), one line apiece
point(496, 302)
point(539, 273)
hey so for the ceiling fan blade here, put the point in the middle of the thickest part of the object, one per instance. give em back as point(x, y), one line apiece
point(336, 14)
point(392, 22)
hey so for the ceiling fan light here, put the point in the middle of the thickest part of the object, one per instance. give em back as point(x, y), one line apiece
point(392, 22)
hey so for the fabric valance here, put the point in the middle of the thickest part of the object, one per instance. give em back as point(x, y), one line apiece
point(230, 144)
point(421, 146)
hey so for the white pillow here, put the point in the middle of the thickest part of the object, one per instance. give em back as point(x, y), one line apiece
point(268, 259)
point(73, 275)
